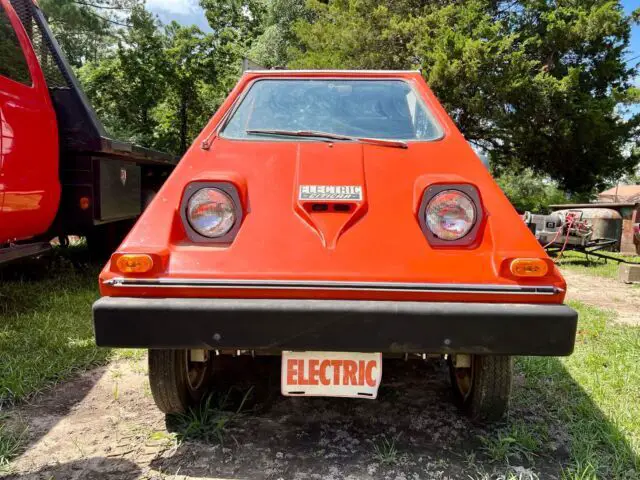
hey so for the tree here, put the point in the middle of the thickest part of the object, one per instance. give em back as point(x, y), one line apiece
point(196, 63)
point(86, 29)
point(273, 47)
point(529, 192)
point(236, 22)
point(161, 84)
point(126, 84)
point(536, 83)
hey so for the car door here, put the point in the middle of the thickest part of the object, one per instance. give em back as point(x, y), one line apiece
point(29, 183)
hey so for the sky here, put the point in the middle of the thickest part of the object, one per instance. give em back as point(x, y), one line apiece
point(188, 12)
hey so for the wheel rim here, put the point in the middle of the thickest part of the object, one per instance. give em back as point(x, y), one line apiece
point(463, 379)
point(196, 372)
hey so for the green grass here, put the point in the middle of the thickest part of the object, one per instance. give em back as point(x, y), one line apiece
point(517, 442)
point(385, 451)
point(46, 332)
point(585, 407)
point(10, 444)
point(210, 420)
point(593, 265)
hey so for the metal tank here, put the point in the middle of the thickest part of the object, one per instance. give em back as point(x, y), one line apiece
point(606, 223)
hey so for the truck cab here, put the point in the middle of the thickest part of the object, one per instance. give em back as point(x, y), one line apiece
point(61, 173)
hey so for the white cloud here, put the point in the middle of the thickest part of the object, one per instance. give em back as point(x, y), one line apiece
point(180, 7)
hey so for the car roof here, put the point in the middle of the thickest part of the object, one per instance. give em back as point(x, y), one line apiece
point(332, 73)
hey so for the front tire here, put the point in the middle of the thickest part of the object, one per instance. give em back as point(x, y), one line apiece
point(177, 383)
point(483, 389)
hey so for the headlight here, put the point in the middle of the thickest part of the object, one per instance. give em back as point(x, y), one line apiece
point(450, 215)
point(211, 212)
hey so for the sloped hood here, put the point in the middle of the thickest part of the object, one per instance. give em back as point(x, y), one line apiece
point(292, 230)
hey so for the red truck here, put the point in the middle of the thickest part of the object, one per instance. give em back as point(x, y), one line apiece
point(60, 172)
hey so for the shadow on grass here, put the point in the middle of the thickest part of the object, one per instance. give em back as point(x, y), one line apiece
point(89, 468)
point(46, 335)
point(31, 283)
point(27, 424)
point(554, 430)
point(46, 331)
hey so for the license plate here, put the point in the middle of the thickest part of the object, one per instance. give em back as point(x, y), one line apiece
point(331, 374)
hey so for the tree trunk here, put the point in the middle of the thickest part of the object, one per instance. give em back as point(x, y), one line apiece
point(183, 122)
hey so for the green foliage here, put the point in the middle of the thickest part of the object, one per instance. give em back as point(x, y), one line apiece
point(160, 85)
point(536, 83)
point(274, 46)
point(530, 192)
point(10, 444)
point(151, 84)
point(540, 85)
point(385, 451)
point(210, 420)
point(236, 22)
point(194, 65)
point(86, 29)
point(126, 85)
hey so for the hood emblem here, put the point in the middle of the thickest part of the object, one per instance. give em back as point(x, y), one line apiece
point(331, 192)
point(123, 176)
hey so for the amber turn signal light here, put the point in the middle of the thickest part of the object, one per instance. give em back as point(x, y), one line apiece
point(529, 267)
point(134, 263)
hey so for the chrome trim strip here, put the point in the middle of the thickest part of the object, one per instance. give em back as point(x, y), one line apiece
point(329, 285)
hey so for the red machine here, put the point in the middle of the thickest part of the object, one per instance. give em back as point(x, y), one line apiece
point(332, 218)
point(60, 173)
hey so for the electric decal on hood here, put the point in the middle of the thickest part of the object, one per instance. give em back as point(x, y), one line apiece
point(331, 192)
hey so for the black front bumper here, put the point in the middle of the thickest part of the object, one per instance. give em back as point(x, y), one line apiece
point(335, 325)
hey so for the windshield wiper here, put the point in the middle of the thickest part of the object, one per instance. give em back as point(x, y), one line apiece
point(383, 142)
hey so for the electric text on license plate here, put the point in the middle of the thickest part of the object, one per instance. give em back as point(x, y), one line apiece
point(331, 374)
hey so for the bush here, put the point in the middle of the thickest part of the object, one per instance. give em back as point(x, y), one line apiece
point(530, 192)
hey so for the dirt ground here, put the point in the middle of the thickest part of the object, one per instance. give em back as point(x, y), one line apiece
point(104, 424)
point(605, 293)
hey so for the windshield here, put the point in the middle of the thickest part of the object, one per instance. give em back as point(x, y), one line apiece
point(385, 109)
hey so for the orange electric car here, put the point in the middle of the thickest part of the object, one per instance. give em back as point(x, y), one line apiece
point(332, 218)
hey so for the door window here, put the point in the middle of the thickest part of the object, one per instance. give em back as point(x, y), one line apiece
point(13, 64)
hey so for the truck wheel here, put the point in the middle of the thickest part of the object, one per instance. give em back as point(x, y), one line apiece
point(482, 388)
point(177, 383)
